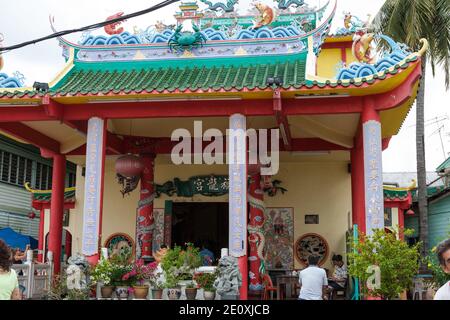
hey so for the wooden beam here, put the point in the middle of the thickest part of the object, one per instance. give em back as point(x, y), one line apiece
point(317, 129)
point(113, 142)
point(32, 136)
point(18, 113)
point(142, 145)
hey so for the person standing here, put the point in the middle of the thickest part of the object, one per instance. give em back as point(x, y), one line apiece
point(443, 253)
point(9, 284)
point(206, 254)
point(313, 280)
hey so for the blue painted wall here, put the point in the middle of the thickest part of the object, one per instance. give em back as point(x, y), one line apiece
point(438, 220)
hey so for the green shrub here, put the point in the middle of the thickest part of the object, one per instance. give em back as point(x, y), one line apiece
point(179, 264)
point(398, 263)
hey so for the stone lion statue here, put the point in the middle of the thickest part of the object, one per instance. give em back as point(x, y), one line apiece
point(77, 272)
point(229, 279)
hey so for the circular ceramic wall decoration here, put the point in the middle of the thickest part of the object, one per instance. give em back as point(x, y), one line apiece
point(117, 241)
point(308, 244)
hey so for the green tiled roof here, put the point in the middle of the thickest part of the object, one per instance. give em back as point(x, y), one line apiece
point(431, 192)
point(395, 194)
point(92, 81)
point(136, 77)
point(443, 165)
point(46, 196)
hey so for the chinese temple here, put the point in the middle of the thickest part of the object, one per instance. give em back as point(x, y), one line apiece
point(112, 110)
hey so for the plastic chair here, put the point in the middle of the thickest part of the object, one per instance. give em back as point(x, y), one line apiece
point(268, 287)
point(340, 292)
point(419, 289)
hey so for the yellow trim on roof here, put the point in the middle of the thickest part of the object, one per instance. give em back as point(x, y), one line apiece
point(29, 189)
point(389, 188)
point(392, 119)
point(69, 65)
point(345, 38)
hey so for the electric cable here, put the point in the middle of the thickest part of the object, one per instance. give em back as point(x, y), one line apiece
point(89, 27)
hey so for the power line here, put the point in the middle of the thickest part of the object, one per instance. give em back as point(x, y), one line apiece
point(90, 27)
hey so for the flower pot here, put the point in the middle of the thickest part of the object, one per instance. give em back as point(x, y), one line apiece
point(191, 293)
point(122, 292)
point(107, 291)
point(157, 293)
point(174, 293)
point(209, 295)
point(140, 292)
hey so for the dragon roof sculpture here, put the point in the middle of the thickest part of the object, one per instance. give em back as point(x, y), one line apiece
point(367, 64)
point(218, 28)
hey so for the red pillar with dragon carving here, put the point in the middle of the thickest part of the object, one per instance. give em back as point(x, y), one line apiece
point(255, 234)
point(145, 220)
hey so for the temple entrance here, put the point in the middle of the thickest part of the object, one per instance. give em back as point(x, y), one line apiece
point(201, 222)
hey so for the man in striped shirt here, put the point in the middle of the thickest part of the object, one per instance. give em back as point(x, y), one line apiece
point(339, 278)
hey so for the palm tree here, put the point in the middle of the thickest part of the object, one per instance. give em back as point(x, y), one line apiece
point(408, 21)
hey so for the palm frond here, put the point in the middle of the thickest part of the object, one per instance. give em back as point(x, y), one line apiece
point(408, 21)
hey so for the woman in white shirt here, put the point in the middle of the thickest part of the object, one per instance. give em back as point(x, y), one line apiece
point(9, 284)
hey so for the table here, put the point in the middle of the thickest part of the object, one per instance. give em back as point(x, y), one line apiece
point(288, 281)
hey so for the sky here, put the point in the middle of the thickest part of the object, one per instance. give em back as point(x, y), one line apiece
point(23, 20)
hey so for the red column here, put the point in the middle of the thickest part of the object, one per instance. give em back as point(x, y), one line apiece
point(401, 224)
point(57, 210)
point(41, 235)
point(145, 220)
point(255, 233)
point(243, 268)
point(358, 166)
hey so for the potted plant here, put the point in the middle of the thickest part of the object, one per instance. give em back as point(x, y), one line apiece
point(173, 289)
point(191, 291)
point(205, 280)
point(102, 273)
point(121, 267)
point(59, 291)
point(179, 265)
point(385, 265)
point(138, 276)
point(157, 284)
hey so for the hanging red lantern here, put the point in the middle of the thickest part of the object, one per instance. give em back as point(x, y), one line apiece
point(31, 215)
point(129, 165)
point(410, 212)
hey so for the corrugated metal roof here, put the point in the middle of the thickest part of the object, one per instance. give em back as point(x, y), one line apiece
point(14, 199)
